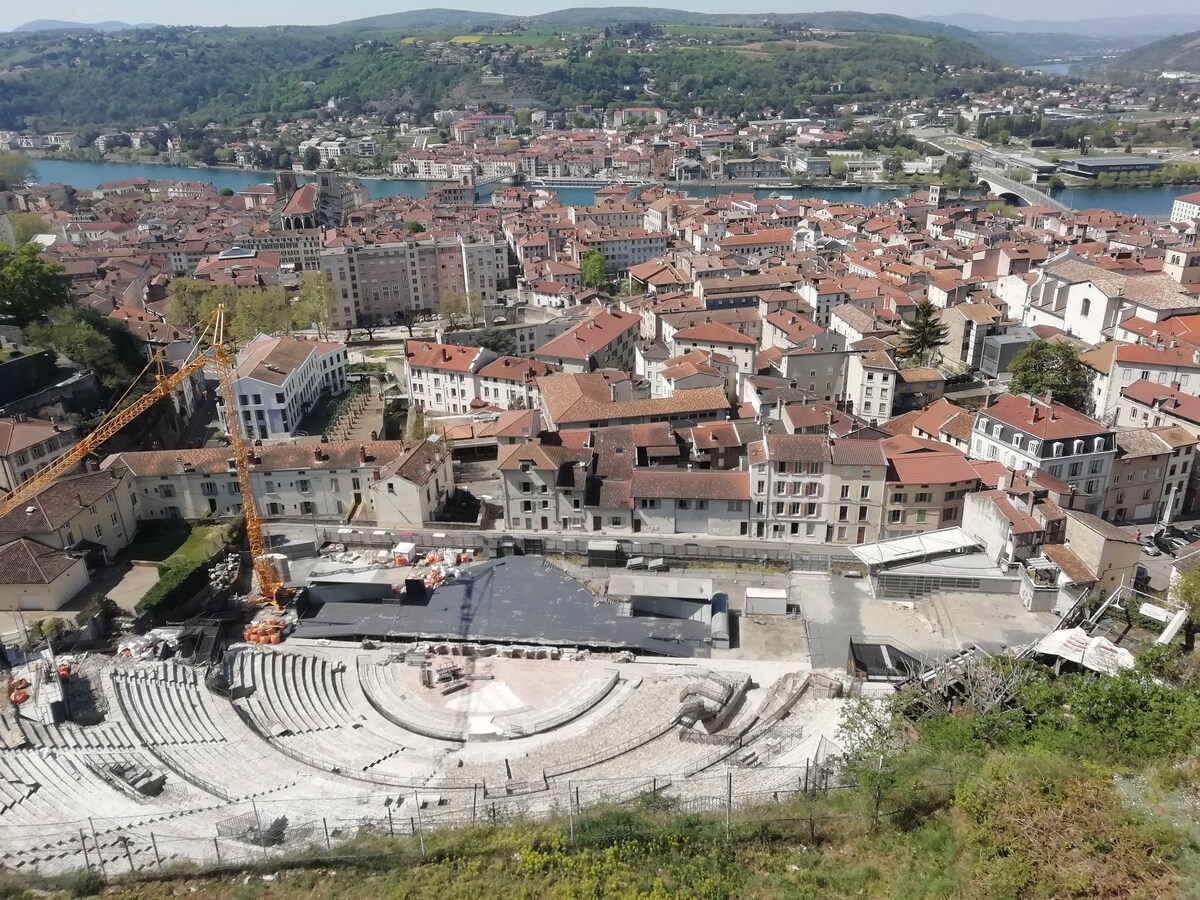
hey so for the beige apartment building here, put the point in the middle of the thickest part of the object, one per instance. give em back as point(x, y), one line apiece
point(376, 278)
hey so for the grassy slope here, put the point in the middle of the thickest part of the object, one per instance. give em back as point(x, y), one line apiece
point(1027, 824)
point(1178, 52)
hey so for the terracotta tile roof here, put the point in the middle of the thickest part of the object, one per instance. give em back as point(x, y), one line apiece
point(301, 202)
point(25, 561)
point(56, 505)
point(1107, 530)
point(854, 452)
point(902, 424)
point(701, 484)
point(715, 333)
point(1036, 416)
point(587, 398)
point(813, 448)
point(16, 436)
point(516, 368)
point(1159, 396)
point(1069, 563)
point(1020, 522)
point(269, 457)
point(913, 461)
point(543, 457)
point(591, 336)
point(444, 357)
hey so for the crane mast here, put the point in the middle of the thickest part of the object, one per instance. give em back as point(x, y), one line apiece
point(270, 584)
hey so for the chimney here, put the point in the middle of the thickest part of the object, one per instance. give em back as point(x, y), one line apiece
point(180, 465)
point(79, 500)
point(362, 453)
point(317, 453)
point(1002, 482)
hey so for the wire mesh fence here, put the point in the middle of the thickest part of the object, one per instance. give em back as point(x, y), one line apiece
point(265, 828)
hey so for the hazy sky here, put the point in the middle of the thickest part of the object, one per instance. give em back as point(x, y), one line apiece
point(312, 12)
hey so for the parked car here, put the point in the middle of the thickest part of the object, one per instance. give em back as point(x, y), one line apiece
point(1149, 548)
point(1170, 545)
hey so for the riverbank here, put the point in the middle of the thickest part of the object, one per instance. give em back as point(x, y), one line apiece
point(1150, 202)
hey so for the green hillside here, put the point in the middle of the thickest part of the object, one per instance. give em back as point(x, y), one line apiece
point(1180, 52)
point(232, 75)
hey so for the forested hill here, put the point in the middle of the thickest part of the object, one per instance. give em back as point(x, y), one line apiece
point(1181, 52)
point(228, 75)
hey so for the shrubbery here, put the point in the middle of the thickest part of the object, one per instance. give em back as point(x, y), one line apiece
point(179, 579)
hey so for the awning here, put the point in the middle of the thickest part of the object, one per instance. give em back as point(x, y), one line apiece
point(916, 547)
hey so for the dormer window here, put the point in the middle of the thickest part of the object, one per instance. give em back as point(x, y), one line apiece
point(983, 423)
point(1058, 448)
point(1077, 447)
point(996, 429)
point(1033, 447)
point(1016, 441)
point(1098, 445)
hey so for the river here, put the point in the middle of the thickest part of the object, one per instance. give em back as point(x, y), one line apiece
point(1137, 201)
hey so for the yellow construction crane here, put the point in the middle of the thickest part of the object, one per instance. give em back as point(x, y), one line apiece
point(213, 332)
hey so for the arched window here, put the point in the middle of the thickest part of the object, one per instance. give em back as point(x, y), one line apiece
point(1086, 307)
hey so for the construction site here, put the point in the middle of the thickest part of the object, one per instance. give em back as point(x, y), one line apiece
point(398, 682)
point(389, 687)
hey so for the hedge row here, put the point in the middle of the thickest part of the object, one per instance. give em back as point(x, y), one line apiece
point(179, 580)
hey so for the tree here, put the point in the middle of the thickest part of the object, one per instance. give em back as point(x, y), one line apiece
point(313, 307)
point(416, 427)
point(1186, 592)
point(108, 350)
point(29, 286)
point(838, 167)
point(369, 324)
point(498, 341)
point(15, 170)
point(25, 225)
point(259, 311)
point(1042, 367)
point(595, 272)
point(190, 300)
point(893, 165)
point(454, 308)
point(414, 228)
point(225, 192)
point(311, 158)
point(925, 333)
point(407, 318)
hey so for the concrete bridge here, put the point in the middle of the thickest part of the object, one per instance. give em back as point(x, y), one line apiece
point(999, 183)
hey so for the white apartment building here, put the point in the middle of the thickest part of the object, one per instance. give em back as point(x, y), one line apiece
point(278, 381)
point(393, 483)
point(441, 377)
point(446, 378)
point(1087, 301)
point(375, 278)
point(790, 486)
point(1024, 432)
point(871, 380)
point(605, 339)
point(1186, 208)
